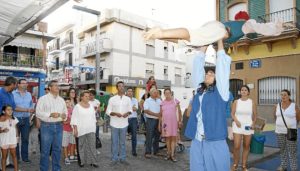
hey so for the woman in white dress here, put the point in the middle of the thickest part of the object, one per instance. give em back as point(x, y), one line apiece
point(83, 121)
point(244, 115)
point(8, 136)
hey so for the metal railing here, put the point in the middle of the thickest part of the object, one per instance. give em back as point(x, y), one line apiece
point(65, 42)
point(53, 47)
point(88, 46)
point(290, 15)
point(21, 60)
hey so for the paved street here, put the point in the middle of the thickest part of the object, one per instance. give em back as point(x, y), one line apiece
point(136, 163)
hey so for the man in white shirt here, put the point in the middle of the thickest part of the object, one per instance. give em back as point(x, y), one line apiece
point(132, 119)
point(51, 110)
point(119, 108)
point(152, 111)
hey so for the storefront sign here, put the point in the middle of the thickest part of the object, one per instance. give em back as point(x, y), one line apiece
point(22, 74)
point(136, 81)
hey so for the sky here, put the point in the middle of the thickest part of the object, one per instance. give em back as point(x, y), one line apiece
point(174, 13)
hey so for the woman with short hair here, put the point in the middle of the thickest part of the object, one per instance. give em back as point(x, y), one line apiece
point(291, 114)
point(84, 126)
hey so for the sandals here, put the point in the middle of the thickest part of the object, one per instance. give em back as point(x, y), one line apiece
point(173, 159)
point(244, 168)
point(234, 167)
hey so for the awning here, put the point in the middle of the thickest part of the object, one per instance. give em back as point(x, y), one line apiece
point(28, 42)
point(17, 16)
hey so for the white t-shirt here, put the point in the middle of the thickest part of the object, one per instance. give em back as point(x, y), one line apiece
point(84, 119)
point(10, 137)
point(289, 117)
point(120, 105)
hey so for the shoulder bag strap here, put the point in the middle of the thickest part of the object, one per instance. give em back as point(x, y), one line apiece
point(282, 115)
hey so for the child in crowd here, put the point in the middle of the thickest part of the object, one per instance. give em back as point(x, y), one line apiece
point(68, 137)
point(9, 136)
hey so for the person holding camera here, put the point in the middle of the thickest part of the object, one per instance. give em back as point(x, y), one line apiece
point(244, 115)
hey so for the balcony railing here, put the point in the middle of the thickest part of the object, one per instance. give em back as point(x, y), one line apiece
point(291, 15)
point(88, 47)
point(21, 60)
point(66, 44)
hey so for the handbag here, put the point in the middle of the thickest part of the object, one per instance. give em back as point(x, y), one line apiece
point(98, 143)
point(291, 132)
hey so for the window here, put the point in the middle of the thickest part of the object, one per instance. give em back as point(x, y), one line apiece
point(57, 63)
point(233, 10)
point(239, 65)
point(166, 72)
point(70, 59)
point(177, 76)
point(150, 51)
point(281, 9)
point(57, 43)
point(269, 89)
point(166, 52)
point(71, 37)
point(149, 69)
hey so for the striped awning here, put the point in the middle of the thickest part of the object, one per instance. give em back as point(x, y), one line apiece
point(28, 42)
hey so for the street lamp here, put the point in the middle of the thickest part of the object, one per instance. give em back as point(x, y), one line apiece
point(98, 14)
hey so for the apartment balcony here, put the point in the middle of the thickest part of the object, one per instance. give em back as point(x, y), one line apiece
point(54, 50)
point(291, 22)
point(88, 47)
point(66, 44)
point(21, 60)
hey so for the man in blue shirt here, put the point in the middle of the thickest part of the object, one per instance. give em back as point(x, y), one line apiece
point(24, 107)
point(6, 96)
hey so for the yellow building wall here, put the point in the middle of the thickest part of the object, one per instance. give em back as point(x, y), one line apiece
point(280, 48)
point(137, 92)
point(111, 89)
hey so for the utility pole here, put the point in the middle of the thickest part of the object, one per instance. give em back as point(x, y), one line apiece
point(97, 65)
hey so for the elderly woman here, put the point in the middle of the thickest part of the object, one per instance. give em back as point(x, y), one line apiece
point(291, 114)
point(84, 126)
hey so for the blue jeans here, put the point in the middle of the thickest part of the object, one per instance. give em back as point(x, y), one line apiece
point(24, 129)
point(51, 135)
point(133, 129)
point(209, 155)
point(118, 146)
point(152, 136)
point(97, 131)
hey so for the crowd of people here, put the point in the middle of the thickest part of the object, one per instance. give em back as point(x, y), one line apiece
point(70, 126)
